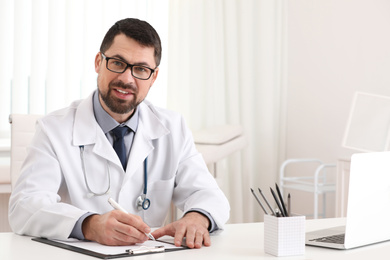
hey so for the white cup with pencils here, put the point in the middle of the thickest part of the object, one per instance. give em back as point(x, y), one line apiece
point(284, 236)
point(284, 233)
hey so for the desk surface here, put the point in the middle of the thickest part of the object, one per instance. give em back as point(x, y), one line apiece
point(237, 241)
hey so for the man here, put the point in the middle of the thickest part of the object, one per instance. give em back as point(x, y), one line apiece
point(78, 159)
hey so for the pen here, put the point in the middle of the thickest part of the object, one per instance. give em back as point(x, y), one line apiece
point(277, 202)
point(115, 205)
point(266, 201)
point(281, 200)
point(258, 200)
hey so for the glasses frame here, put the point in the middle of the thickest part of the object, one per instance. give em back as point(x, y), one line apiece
point(127, 66)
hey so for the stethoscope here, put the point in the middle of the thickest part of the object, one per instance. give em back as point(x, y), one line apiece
point(142, 202)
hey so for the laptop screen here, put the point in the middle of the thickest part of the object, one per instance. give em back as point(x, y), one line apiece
point(368, 210)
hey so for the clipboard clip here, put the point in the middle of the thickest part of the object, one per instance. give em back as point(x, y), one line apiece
point(145, 250)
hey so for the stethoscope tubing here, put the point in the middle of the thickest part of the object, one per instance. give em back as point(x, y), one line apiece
point(146, 176)
point(142, 201)
point(92, 193)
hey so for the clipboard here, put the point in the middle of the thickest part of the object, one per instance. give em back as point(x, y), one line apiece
point(110, 252)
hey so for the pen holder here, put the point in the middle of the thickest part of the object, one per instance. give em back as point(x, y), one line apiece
point(284, 236)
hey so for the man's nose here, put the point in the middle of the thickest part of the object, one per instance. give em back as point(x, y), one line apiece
point(126, 76)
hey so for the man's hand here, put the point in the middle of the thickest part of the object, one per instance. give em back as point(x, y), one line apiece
point(193, 226)
point(115, 228)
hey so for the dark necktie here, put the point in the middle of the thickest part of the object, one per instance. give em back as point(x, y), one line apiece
point(119, 144)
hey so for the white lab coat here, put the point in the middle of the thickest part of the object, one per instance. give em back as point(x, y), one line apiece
point(51, 193)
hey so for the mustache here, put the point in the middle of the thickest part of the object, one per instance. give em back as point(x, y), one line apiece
point(122, 85)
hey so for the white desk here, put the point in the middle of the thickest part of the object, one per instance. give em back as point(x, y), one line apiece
point(237, 241)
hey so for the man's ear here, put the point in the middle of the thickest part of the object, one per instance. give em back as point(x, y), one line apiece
point(98, 61)
point(154, 76)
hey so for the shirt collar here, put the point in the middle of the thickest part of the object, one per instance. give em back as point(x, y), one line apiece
point(106, 122)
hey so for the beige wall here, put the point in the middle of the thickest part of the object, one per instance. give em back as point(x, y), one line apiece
point(335, 47)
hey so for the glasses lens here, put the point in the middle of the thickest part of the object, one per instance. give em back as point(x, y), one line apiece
point(116, 65)
point(141, 72)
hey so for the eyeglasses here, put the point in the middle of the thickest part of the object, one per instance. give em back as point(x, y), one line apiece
point(119, 66)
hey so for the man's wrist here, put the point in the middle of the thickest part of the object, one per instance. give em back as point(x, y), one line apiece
point(212, 225)
point(87, 226)
point(207, 222)
point(77, 231)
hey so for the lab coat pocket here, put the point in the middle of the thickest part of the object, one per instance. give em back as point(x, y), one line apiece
point(160, 196)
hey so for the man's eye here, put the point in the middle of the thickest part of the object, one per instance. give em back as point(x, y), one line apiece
point(117, 63)
point(140, 69)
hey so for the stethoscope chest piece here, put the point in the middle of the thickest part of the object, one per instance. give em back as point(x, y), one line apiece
point(142, 202)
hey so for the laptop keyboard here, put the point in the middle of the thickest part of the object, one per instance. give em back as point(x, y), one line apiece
point(335, 239)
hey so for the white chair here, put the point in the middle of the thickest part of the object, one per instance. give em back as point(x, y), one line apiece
point(22, 132)
point(215, 143)
point(218, 142)
point(317, 183)
point(5, 177)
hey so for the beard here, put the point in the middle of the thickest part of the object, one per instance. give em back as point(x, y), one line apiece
point(116, 105)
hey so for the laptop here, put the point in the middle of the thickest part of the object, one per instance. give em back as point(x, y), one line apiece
point(368, 208)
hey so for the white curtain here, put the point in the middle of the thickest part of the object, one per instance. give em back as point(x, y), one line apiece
point(222, 63)
point(225, 66)
point(48, 50)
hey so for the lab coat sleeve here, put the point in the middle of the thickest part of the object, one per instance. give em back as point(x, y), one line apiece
point(195, 187)
point(36, 208)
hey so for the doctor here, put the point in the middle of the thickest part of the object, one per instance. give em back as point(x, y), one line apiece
point(78, 159)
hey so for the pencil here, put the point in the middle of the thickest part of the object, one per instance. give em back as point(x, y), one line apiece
point(266, 201)
point(277, 202)
point(258, 200)
point(289, 204)
point(281, 201)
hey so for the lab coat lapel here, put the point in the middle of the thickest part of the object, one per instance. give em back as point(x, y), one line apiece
point(149, 128)
point(86, 131)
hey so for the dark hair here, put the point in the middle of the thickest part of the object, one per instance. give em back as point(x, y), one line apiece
point(140, 31)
